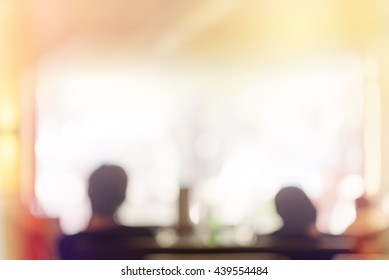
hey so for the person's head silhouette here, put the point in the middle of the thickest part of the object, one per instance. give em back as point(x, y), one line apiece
point(296, 211)
point(107, 190)
point(104, 238)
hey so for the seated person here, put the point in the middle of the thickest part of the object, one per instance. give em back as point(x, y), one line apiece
point(298, 237)
point(104, 238)
point(297, 212)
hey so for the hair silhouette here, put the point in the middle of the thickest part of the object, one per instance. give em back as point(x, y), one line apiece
point(104, 238)
point(107, 189)
point(296, 211)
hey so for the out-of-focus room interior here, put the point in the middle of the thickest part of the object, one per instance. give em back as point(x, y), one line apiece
point(211, 107)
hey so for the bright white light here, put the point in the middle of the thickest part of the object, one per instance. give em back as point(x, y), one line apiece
point(285, 127)
point(75, 217)
point(313, 185)
point(166, 237)
point(235, 210)
point(164, 177)
point(244, 235)
point(351, 187)
point(194, 213)
point(60, 189)
point(71, 131)
point(89, 116)
point(242, 169)
point(46, 147)
point(151, 212)
point(267, 189)
point(343, 215)
point(207, 146)
point(267, 222)
point(209, 191)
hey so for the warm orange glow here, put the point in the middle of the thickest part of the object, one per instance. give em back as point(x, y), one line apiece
point(8, 113)
point(9, 163)
point(230, 96)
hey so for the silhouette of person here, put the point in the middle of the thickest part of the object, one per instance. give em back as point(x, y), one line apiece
point(297, 213)
point(107, 191)
point(104, 238)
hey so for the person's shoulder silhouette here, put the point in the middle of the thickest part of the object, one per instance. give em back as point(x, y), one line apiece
point(113, 243)
point(104, 238)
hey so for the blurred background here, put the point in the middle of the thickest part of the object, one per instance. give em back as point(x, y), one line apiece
point(225, 101)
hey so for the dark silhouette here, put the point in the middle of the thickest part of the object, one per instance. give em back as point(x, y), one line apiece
point(298, 237)
point(104, 238)
point(107, 191)
point(297, 213)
